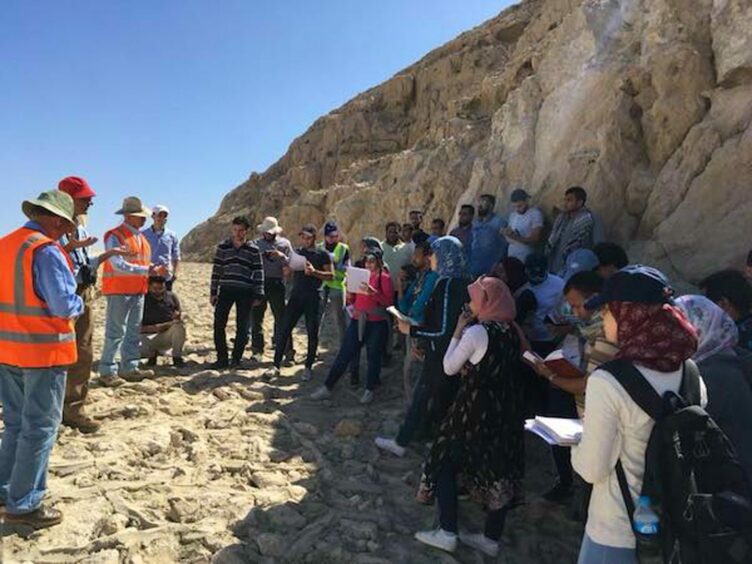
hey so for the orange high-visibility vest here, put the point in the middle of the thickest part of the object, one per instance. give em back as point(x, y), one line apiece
point(30, 336)
point(117, 282)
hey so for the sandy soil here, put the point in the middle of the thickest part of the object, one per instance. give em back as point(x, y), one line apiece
point(203, 466)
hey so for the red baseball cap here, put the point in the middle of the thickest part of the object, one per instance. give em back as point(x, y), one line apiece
point(76, 187)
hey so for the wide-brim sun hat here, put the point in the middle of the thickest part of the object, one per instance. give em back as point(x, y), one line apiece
point(54, 201)
point(133, 206)
point(269, 225)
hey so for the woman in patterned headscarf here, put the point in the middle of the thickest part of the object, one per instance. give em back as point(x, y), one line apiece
point(724, 370)
point(434, 391)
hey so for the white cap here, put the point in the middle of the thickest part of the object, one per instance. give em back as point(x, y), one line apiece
point(159, 208)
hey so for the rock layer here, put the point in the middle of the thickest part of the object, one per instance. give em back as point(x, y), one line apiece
point(645, 103)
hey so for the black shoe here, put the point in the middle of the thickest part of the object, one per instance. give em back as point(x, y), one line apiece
point(178, 362)
point(560, 493)
point(235, 363)
point(219, 365)
point(152, 361)
point(40, 518)
point(354, 380)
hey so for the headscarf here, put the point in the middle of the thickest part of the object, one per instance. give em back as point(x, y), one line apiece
point(536, 268)
point(657, 336)
point(716, 331)
point(492, 300)
point(372, 243)
point(514, 269)
point(580, 260)
point(450, 258)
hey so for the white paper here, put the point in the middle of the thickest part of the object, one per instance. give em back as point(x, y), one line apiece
point(531, 357)
point(562, 431)
point(400, 316)
point(297, 262)
point(356, 277)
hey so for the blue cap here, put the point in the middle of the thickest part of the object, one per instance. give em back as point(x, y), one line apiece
point(580, 260)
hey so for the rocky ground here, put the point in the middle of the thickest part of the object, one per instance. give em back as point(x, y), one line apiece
point(203, 466)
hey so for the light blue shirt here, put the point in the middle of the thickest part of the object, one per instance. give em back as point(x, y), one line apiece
point(118, 262)
point(488, 245)
point(53, 280)
point(165, 247)
point(415, 306)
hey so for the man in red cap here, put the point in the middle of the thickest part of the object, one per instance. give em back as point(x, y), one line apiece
point(85, 270)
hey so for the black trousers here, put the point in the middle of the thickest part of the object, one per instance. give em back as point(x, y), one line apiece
point(446, 498)
point(274, 297)
point(296, 307)
point(242, 300)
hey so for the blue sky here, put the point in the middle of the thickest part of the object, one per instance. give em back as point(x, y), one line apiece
point(179, 101)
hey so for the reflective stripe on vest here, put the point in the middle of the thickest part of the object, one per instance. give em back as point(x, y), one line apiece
point(127, 283)
point(30, 335)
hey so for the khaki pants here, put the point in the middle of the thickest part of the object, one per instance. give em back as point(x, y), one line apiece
point(159, 343)
point(77, 384)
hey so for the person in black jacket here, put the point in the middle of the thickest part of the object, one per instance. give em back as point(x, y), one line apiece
point(434, 391)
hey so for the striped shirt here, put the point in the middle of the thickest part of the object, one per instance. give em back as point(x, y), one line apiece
point(240, 267)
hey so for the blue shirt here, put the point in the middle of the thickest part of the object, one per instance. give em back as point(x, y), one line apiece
point(165, 247)
point(488, 245)
point(413, 302)
point(80, 257)
point(53, 280)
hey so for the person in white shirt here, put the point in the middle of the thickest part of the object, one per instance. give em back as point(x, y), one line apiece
point(657, 339)
point(525, 229)
point(481, 436)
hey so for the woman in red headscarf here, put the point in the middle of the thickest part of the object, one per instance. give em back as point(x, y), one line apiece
point(657, 340)
point(481, 437)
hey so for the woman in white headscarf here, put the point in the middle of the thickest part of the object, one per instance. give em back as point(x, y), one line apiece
point(725, 372)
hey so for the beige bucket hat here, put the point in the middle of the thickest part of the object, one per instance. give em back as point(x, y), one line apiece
point(54, 201)
point(269, 225)
point(133, 206)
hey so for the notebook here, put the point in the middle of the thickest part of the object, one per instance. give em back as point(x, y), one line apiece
point(556, 430)
point(557, 362)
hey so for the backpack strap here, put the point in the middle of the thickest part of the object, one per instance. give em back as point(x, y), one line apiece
point(638, 388)
point(690, 385)
point(626, 495)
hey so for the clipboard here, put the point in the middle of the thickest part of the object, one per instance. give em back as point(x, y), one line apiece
point(355, 278)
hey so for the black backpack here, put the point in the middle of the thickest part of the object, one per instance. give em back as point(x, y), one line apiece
point(692, 476)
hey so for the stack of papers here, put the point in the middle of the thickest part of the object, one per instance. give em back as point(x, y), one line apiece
point(556, 430)
point(356, 278)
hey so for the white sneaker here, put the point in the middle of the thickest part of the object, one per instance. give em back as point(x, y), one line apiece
point(321, 393)
point(390, 445)
point(307, 375)
point(367, 397)
point(438, 538)
point(273, 372)
point(480, 542)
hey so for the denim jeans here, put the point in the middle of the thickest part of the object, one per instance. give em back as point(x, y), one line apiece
point(374, 338)
point(594, 553)
point(32, 410)
point(122, 332)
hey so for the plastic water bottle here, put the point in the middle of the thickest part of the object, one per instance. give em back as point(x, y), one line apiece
point(645, 519)
point(649, 546)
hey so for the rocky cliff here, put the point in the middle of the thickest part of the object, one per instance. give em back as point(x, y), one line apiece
point(645, 103)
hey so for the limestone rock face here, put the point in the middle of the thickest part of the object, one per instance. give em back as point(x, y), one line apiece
point(645, 103)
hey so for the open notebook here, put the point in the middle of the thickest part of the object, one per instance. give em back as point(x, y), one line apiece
point(556, 430)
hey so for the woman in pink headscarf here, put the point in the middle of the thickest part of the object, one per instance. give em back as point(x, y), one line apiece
point(481, 437)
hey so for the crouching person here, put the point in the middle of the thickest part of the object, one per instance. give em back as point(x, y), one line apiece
point(162, 328)
point(38, 306)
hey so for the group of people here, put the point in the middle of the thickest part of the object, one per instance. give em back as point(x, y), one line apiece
point(461, 310)
point(47, 293)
